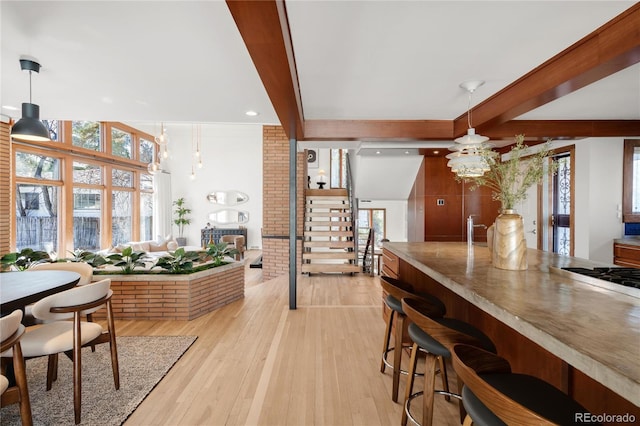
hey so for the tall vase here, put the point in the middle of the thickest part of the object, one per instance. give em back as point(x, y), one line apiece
point(509, 244)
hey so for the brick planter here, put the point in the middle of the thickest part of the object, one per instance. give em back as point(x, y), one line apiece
point(174, 297)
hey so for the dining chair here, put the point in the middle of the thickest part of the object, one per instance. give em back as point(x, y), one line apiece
point(11, 331)
point(86, 276)
point(84, 269)
point(59, 335)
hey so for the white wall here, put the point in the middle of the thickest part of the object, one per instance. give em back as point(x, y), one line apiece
point(598, 189)
point(395, 214)
point(232, 159)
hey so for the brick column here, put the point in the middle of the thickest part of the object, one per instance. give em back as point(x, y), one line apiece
point(275, 208)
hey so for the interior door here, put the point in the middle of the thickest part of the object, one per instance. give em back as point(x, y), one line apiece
point(528, 209)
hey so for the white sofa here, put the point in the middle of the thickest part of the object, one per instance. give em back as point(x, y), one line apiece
point(154, 248)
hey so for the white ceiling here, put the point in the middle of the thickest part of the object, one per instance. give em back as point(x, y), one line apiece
point(184, 61)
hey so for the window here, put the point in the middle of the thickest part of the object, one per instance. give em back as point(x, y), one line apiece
point(54, 129)
point(147, 151)
point(38, 166)
point(121, 144)
point(86, 134)
point(90, 174)
point(121, 219)
point(338, 168)
point(372, 218)
point(37, 217)
point(106, 193)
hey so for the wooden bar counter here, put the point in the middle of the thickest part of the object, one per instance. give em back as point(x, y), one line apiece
point(582, 338)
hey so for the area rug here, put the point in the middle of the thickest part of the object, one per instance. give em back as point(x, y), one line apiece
point(144, 361)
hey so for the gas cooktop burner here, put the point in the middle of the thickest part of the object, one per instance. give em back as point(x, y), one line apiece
point(629, 277)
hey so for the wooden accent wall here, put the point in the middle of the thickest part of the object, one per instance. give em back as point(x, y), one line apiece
point(275, 210)
point(6, 186)
point(416, 208)
point(447, 222)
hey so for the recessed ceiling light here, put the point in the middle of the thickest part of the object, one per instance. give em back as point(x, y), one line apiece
point(252, 113)
point(377, 152)
point(436, 152)
point(9, 107)
point(406, 152)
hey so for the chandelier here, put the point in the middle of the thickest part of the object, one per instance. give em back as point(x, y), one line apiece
point(465, 160)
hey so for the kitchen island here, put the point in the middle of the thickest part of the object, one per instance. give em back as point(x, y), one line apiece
point(582, 337)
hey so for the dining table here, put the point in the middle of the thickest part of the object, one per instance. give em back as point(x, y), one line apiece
point(19, 289)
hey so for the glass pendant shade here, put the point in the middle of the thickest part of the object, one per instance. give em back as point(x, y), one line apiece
point(153, 168)
point(29, 127)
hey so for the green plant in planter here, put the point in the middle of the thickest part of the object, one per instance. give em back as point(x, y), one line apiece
point(93, 259)
point(179, 261)
point(128, 260)
point(217, 252)
point(23, 259)
point(181, 212)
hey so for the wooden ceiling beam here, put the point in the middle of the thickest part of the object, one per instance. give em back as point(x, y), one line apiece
point(609, 49)
point(264, 28)
point(334, 130)
point(562, 129)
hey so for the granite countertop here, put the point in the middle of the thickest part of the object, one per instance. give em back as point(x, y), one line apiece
point(595, 329)
point(630, 240)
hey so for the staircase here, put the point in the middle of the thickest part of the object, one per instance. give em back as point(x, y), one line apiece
point(328, 245)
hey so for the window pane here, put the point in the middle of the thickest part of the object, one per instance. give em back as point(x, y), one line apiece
point(121, 217)
point(122, 178)
point(120, 143)
point(86, 134)
point(37, 217)
point(146, 182)
point(87, 173)
point(335, 168)
point(54, 129)
point(147, 151)
point(146, 216)
point(37, 166)
point(378, 226)
point(86, 218)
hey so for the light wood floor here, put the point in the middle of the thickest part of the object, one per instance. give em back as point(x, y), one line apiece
point(258, 363)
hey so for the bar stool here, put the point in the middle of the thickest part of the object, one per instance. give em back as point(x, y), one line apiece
point(493, 395)
point(397, 290)
point(434, 336)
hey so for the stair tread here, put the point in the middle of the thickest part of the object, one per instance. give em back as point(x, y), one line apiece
point(330, 255)
point(328, 267)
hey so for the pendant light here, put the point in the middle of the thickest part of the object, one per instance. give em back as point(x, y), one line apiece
point(29, 127)
point(465, 161)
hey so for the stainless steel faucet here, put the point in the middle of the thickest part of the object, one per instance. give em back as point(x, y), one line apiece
point(470, 228)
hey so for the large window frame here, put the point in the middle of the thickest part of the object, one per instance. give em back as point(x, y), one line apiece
point(64, 150)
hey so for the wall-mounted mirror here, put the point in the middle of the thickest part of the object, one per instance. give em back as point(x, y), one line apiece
point(229, 217)
point(227, 198)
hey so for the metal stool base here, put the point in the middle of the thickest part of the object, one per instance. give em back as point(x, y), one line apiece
point(407, 405)
point(388, 364)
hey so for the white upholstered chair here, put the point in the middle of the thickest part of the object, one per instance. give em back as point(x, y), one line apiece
point(58, 335)
point(11, 331)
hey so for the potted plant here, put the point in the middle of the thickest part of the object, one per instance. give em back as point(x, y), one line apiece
point(179, 261)
point(509, 181)
point(24, 259)
point(128, 260)
point(219, 251)
point(181, 220)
